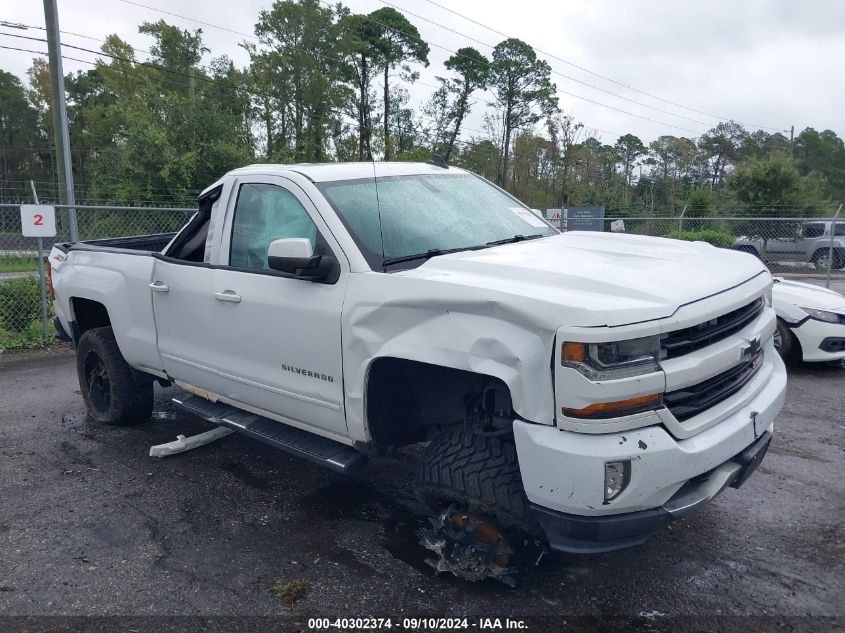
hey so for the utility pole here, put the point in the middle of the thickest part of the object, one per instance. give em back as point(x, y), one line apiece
point(791, 133)
point(61, 137)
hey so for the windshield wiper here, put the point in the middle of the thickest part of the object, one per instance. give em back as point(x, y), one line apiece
point(515, 238)
point(427, 255)
point(434, 252)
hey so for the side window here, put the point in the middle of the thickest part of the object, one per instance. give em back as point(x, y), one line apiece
point(815, 229)
point(264, 213)
point(840, 228)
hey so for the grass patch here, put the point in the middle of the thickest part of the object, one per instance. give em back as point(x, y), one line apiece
point(30, 336)
point(20, 314)
point(18, 264)
point(290, 592)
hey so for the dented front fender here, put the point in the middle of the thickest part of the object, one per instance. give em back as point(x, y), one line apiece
point(450, 326)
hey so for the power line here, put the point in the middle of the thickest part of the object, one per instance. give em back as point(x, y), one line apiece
point(248, 35)
point(555, 72)
point(595, 74)
point(23, 50)
point(253, 37)
point(119, 58)
point(449, 50)
point(428, 139)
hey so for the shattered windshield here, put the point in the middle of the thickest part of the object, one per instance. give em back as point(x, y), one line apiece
point(398, 217)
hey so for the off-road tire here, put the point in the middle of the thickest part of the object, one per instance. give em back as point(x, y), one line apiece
point(105, 379)
point(475, 470)
point(790, 348)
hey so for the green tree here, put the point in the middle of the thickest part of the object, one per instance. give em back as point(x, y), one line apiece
point(359, 44)
point(297, 67)
point(629, 148)
point(22, 142)
point(524, 92)
point(397, 42)
point(773, 187)
point(823, 153)
point(761, 144)
point(563, 135)
point(175, 125)
point(722, 146)
point(473, 70)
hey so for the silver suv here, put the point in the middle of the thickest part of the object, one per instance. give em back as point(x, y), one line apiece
point(811, 244)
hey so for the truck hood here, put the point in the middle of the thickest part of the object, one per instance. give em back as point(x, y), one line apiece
point(602, 279)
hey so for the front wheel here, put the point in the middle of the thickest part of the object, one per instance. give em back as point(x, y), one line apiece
point(478, 471)
point(786, 344)
point(106, 381)
point(474, 484)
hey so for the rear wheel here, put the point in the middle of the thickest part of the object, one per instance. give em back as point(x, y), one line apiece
point(822, 257)
point(786, 344)
point(106, 381)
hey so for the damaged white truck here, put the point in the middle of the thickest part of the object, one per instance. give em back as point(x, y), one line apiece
point(585, 387)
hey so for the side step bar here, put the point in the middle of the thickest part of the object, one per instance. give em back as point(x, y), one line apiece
point(321, 450)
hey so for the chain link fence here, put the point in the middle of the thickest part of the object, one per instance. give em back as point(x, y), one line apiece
point(20, 297)
point(789, 246)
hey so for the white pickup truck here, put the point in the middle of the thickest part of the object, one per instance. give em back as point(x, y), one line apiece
point(586, 386)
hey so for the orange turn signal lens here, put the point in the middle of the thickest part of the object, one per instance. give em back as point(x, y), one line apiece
point(573, 352)
point(615, 409)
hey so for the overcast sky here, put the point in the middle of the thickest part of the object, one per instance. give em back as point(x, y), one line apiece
point(762, 63)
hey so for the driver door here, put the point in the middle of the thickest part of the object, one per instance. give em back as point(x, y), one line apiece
point(278, 337)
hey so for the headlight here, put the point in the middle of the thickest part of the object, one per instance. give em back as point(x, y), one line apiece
point(609, 361)
point(824, 315)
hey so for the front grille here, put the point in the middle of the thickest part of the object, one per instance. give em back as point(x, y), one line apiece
point(689, 339)
point(690, 401)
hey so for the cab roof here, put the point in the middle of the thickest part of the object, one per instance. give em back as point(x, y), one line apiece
point(326, 172)
point(323, 172)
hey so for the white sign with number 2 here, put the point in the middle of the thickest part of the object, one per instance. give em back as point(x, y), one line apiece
point(38, 220)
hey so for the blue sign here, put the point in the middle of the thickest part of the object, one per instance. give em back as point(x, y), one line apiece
point(583, 219)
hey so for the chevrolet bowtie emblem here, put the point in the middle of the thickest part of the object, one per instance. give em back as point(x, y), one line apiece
point(750, 349)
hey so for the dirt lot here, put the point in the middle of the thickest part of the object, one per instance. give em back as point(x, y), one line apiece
point(89, 524)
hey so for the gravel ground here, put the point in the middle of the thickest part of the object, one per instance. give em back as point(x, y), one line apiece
point(90, 525)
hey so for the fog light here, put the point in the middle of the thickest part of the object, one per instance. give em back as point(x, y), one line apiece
point(616, 478)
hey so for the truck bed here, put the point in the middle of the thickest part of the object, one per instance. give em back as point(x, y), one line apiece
point(150, 243)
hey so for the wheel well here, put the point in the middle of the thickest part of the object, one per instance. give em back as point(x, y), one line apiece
point(796, 354)
point(408, 400)
point(88, 314)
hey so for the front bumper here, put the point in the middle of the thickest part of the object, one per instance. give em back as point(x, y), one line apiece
point(588, 535)
point(820, 341)
point(563, 471)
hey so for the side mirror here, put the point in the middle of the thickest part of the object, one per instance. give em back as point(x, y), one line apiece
point(295, 256)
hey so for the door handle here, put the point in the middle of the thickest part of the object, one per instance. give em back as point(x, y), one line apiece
point(228, 295)
point(158, 286)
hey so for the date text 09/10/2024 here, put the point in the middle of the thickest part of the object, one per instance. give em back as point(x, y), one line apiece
point(416, 623)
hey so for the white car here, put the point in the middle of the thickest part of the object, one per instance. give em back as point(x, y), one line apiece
point(811, 322)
